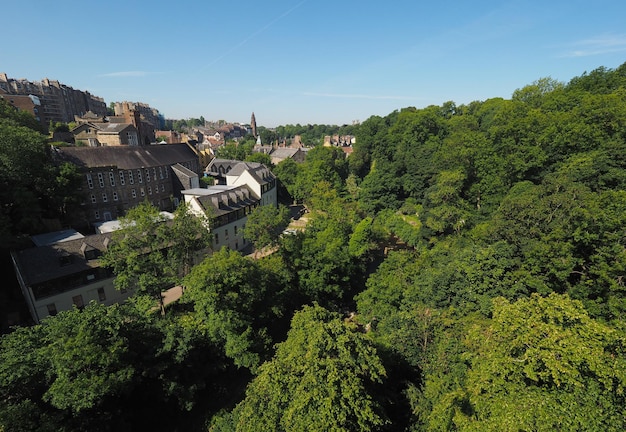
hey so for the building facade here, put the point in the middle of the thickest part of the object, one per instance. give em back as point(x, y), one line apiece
point(240, 187)
point(62, 271)
point(116, 179)
point(59, 102)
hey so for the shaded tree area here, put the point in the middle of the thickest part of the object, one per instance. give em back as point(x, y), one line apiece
point(33, 189)
point(463, 269)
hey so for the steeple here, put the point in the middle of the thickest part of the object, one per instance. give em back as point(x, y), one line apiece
point(253, 125)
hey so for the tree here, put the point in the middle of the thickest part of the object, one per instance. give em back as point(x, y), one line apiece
point(189, 238)
point(67, 372)
point(287, 172)
point(137, 253)
point(544, 364)
point(265, 224)
point(24, 164)
point(64, 196)
point(262, 158)
point(321, 378)
point(233, 305)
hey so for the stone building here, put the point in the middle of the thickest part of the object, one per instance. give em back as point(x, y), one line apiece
point(59, 102)
point(116, 179)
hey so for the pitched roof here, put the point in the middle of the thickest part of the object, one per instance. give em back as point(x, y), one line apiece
point(127, 157)
point(284, 152)
point(113, 128)
point(42, 263)
point(223, 199)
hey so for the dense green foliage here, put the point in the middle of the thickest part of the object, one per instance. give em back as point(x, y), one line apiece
point(462, 269)
point(33, 188)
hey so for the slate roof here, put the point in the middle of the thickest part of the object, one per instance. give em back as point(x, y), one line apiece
point(113, 128)
point(184, 170)
point(42, 263)
point(223, 199)
point(127, 157)
point(284, 152)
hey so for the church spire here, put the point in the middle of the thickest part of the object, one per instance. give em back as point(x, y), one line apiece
point(253, 125)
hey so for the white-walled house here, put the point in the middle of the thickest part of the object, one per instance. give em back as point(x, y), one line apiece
point(62, 270)
point(228, 208)
point(256, 176)
point(241, 186)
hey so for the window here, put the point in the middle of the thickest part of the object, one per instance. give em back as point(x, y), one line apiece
point(161, 173)
point(89, 181)
point(101, 295)
point(97, 214)
point(149, 190)
point(104, 197)
point(235, 229)
point(154, 173)
point(134, 193)
point(101, 180)
point(114, 196)
point(226, 234)
point(217, 239)
point(132, 138)
point(143, 192)
point(93, 199)
point(147, 174)
point(122, 180)
point(139, 179)
point(111, 178)
point(52, 309)
point(78, 301)
point(131, 180)
point(162, 187)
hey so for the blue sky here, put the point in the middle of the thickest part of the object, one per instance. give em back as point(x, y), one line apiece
point(306, 61)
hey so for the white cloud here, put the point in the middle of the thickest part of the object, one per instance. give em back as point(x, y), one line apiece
point(597, 45)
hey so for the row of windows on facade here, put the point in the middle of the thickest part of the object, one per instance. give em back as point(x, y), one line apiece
point(108, 216)
point(217, 238)
point(163, 174)
point(78, 302)
point(133, 193)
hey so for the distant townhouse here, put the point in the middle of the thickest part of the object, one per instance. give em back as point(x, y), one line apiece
point(59, 102)
point(62, 270)
point(95, 130)
point(29, 103)
point(148, 115)
point(106, 134)
point(278, 155)
point(118, 178)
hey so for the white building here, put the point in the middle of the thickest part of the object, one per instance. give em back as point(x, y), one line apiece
point(241, 186)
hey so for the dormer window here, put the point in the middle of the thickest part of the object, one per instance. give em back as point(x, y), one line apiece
point(89, 252)
point(65, 259)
